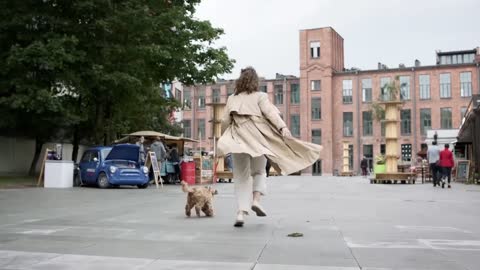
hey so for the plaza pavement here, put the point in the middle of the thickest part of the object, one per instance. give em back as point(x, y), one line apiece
point(348, 224)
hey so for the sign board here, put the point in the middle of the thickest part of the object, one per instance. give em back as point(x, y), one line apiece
point(152, 161)
point(463, 168)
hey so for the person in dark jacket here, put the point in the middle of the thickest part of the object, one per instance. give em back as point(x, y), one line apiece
point(364, 166)
point(175, 160)
point(446, 163)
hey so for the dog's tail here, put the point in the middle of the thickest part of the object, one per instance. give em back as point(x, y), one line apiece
point(185, 187)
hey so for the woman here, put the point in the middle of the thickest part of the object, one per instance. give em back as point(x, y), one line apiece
point(254, 130)
point(446, 163)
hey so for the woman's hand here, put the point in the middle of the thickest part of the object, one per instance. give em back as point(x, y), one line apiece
point(286, 133)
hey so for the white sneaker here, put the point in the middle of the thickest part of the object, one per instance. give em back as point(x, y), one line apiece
point(240, 220)
point(257, 208)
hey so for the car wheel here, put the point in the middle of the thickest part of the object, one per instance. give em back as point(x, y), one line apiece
point(143, 186)
point(102, 181)
point(77, 181)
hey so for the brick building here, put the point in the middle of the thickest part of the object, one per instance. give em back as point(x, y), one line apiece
point(330, 104)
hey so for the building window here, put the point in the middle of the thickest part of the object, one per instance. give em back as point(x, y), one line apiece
point(446, 118)
point(368, 153)
point(406, 152)
point(315, 49)
point(424, 86)
point(347, 91)
point(404, 87)
point(317, 136)
point(230, 90)
point(215, 95)
point(187, 99)
point(317, 168)
point(347, 124)
point(463, 111)
point(350, 157)
point(263, 88)
point(445, 87)
point(187, 128)
point(466, 84)
point(367, 123)
point(383, 92)
point(278, 94)
point(316, 85)
point(316, 108)
point(201, 99)
point(383, 149)
point(178, 95)
point(382, 128)
point(367, 90)
point(201, 129)
point(295, 125)
point(425, 120)
point(406, 122)
point(294, 93)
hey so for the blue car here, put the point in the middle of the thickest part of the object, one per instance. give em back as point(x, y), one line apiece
point(113, 166)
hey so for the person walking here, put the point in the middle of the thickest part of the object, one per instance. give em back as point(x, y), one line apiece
point(433, 156)
point(254, 129)
point(446, 163)
point(364, 166)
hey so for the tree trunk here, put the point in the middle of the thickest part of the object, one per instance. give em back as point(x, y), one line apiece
point(99, 128)
point(38, 150)
point(76, 142)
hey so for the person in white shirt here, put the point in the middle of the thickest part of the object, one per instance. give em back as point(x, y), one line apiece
point(433, 156)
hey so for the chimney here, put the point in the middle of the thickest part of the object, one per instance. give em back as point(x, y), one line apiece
point(417, 63)
point(379, 65)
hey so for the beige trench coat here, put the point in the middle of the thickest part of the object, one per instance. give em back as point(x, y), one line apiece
point(252, 125)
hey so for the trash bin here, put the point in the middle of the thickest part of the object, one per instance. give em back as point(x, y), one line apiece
point(187, 172)
point(58, 174)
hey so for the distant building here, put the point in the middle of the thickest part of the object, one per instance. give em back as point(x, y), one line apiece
point(330, 104)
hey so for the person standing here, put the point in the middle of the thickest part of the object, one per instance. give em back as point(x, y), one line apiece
point(140, 143)
point(159, 149)
point(433, 156)
point(175, 160)
point(364, 166)
point(254, 129)
point(446, 163)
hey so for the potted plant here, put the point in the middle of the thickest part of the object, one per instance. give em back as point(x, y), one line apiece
point(379, 166)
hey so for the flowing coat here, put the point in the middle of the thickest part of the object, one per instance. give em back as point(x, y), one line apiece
point(252, 125)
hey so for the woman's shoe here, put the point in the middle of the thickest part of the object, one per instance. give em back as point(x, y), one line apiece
point(257, 208)
point(240, 219)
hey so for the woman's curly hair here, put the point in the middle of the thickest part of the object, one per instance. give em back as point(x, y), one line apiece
point(248, 81)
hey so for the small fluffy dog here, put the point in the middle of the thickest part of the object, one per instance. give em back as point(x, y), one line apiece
point(199, 197)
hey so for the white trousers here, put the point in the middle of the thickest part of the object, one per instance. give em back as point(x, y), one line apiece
point(249, 175)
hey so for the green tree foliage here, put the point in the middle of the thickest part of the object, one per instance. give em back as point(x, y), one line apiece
point(91, 69)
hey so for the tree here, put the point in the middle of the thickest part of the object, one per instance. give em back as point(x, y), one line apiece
point(92, 68)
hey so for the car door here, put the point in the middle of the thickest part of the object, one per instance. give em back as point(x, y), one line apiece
point(82, 165)
point(90, 166)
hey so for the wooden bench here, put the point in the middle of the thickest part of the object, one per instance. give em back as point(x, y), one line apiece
point(394, 178)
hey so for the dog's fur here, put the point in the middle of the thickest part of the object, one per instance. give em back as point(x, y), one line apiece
point(199, 197)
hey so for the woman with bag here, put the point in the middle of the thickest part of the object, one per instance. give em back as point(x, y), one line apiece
point(253, 132)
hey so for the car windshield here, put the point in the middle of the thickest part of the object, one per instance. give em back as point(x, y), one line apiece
point(105, 152)
point(124, 152)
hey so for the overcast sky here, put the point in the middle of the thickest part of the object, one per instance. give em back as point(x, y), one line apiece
point(265, 33)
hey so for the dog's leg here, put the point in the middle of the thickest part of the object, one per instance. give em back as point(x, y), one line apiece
point(197, 209)
point(188, 210)
point(208, 209)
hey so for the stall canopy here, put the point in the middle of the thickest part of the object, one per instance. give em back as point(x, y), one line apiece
point(149, 135)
